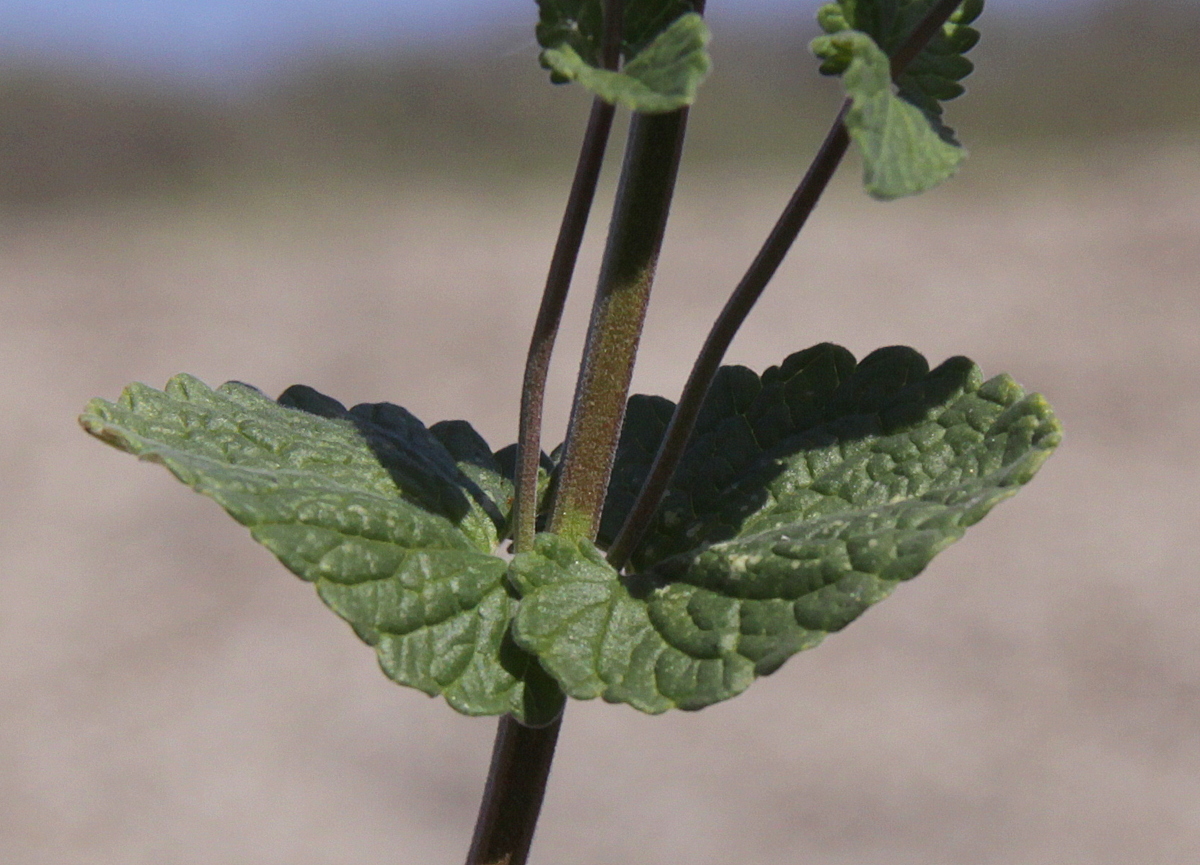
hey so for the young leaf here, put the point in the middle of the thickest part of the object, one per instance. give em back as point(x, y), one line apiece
point(903, 152)
point(663, 76)
point(932, 76)
point(394, 523)
point(807, 495)
point(580, 25)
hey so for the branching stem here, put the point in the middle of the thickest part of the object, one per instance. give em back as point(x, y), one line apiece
point(558, 283)
point(554, 298)
point(522, 756)
point(747, 293)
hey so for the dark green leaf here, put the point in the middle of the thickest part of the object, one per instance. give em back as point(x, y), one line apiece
point(395, 524)
point(834, 481)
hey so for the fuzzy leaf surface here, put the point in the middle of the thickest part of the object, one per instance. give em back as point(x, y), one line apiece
point(664, 76)
point(393, 523)
point(806, 496)
point(903, 152)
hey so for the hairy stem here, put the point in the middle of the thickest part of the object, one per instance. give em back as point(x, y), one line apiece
point(558, 283)
point(634, 240)
point(522, 756)
point(747, 293)
point(554, 298)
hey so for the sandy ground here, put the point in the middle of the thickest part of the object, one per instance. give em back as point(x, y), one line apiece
point(172, 695)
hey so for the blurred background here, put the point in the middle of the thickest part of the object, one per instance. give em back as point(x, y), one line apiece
point(363, 196)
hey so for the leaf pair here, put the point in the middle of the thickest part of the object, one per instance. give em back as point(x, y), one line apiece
point(806, 495)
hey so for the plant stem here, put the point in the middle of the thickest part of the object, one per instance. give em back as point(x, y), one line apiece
point(634, 240)
point(721, 335)
point(558, 283)
point(747, 293)
point(512, 798)
point(554, 298)
point(522, 756)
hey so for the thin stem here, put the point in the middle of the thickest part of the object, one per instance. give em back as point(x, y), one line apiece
point(554, 298)
point(558, 283)
point(627, 273)
point(747, 293)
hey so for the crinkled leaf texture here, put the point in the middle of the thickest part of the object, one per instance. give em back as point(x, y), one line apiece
point(805, 497)
point(664, 74)
point(906, 147)
point(394, 523)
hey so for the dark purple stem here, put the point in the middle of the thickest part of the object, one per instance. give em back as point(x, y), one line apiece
point(747, 293)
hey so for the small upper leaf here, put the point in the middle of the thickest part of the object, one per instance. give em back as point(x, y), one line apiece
point(394, 523)
point(905, 145)
point(580, 25)
point(665, 46)
point(805, 496)
point(932, 76)
point(902, 153)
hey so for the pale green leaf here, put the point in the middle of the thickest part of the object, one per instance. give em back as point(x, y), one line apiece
point(369, 506)
point(903, 152)
point(933, 76)
point(664, 76)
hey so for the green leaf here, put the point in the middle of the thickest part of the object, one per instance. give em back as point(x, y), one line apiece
point(805, 497)
point(393, 523)
point(903, 152)
point(934, 74)
point(664, 76)
point(580, 25)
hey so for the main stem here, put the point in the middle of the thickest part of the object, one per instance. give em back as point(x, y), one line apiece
point(635, 238)
point(558, 282)
point(512, 797)
point(521, 756)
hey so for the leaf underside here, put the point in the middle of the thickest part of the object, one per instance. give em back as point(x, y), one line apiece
point(664, 46)
point(805, 496)
point(906, 147)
